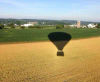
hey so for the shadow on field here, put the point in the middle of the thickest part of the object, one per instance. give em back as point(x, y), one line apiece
point(59, 39)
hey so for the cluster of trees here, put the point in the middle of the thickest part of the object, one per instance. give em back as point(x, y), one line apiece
point(41, 22)
point(10, 23)
point(98, 26)
point(1, 26)
point(37, 26)
point(59, 26)
point(14, 21)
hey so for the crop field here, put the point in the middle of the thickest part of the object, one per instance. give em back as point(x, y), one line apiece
point(33, 35)
point(38, 61)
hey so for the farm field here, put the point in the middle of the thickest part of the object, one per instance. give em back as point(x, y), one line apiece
point(38, 62)
point(34, 35)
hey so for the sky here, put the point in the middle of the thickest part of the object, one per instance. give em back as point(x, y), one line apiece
point(87, 10)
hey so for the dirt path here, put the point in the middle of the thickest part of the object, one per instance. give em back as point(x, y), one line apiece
point(38, 62)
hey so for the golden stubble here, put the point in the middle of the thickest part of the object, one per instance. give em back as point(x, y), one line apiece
point(38, 62)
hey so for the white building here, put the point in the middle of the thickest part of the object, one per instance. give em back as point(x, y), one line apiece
point(30, 24)
point(73, 25)
point(91, 26)
point(84, 26)
point(5, 24)
point(27, 25)
point(78, 24)
point(15, 25)
point(33, 23)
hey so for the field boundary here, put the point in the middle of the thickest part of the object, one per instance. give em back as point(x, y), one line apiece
point(24, 42)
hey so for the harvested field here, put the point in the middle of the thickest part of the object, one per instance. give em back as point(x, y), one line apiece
point(38, 62)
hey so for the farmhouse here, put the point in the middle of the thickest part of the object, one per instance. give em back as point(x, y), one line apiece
point(30, 24)
point(33, 23)
point(84, 26)
point(78, 24)
point(27, 25)
point(73, 25)
point(91, 26)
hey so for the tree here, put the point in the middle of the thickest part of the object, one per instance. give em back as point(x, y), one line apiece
point(11, 25)
point(60, 26)
point(18, 23)
point(30, 26)
point(37, 26)
point(1, 26)
point(98, 26)
point(23, 27)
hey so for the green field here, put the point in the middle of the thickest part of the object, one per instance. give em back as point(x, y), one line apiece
point(30, 35)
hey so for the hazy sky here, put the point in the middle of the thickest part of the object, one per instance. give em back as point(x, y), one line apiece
point(88, 10)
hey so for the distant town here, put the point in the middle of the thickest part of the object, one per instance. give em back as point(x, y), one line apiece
point(29, 23)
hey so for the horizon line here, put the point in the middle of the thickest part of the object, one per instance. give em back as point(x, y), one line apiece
point(49, 19)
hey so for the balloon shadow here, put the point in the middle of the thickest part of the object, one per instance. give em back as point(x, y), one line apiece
point(59, 39)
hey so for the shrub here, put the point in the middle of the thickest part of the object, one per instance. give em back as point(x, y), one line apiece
point(98, 26)
point(22, 27)
point(39, 27)
point(1, 26)
point(11, 25)
point(31, 27)
point(59, 26)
